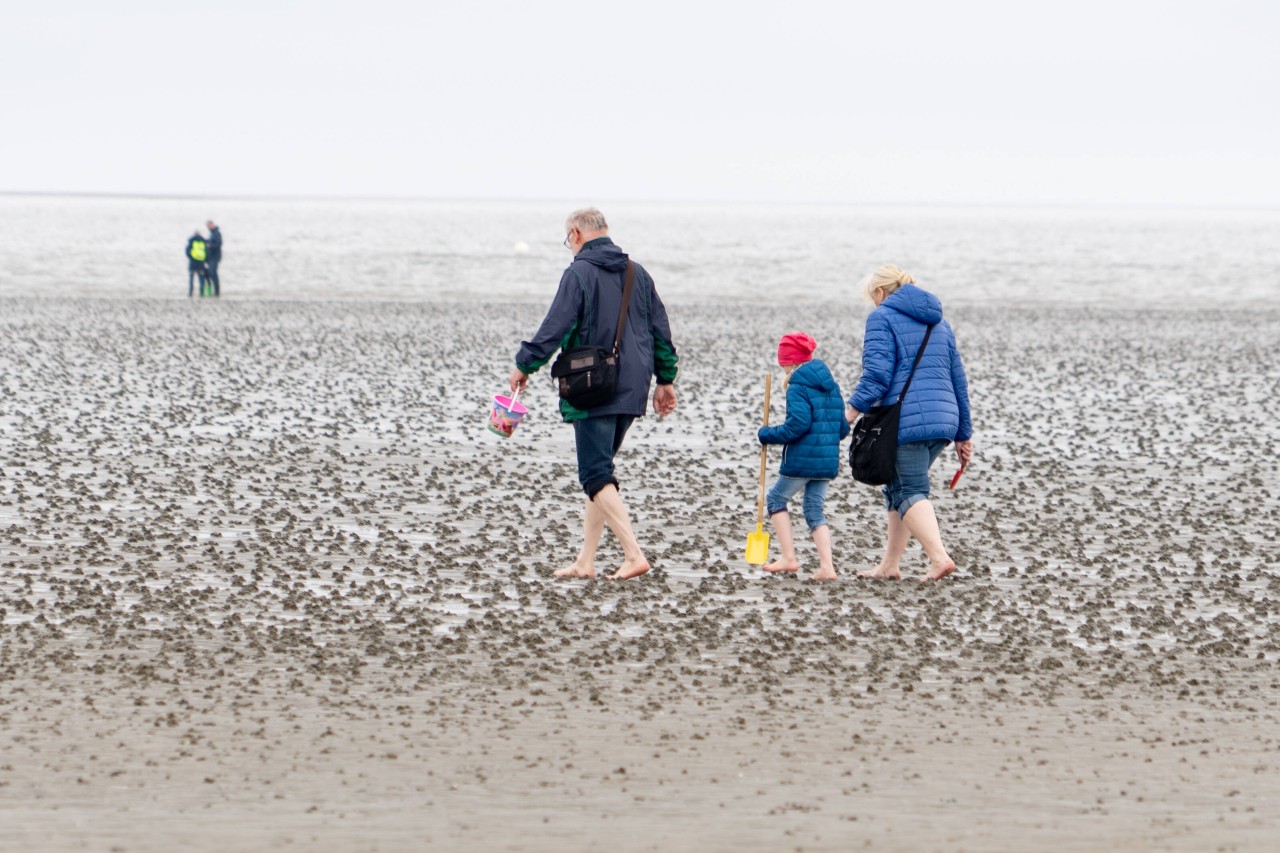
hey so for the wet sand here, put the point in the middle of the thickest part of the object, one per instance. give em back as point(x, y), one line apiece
point(267, 583)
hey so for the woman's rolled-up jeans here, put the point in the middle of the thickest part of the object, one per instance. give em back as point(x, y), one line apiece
point(910, 483)
point(815, 496)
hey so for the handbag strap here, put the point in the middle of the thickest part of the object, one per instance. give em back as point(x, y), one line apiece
point(927, 332)
point(628, 283)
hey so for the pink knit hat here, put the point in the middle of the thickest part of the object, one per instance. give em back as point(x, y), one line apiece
point(795, 348)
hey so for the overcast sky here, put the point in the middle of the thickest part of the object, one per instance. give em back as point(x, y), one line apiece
point(888, 102)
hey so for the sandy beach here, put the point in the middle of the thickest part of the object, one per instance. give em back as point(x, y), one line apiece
point(267, 583)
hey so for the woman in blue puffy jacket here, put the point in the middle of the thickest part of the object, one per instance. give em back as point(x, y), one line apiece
point(811, 437)
point(934, 413)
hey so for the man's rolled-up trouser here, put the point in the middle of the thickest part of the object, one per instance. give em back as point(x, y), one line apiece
point(597, 441)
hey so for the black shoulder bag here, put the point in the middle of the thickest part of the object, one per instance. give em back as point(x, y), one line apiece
point(588, 376)
point(874, 450)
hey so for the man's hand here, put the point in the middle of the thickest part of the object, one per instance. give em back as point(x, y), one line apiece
point(518, 380)
point(964, 450)
point(664, 399)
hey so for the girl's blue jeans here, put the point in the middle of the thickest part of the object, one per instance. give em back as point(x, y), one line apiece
point(815, 496)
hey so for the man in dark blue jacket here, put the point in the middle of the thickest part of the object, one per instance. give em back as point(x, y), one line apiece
point(585, 312)
point(214, 256)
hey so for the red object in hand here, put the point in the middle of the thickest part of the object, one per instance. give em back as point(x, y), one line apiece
point(956, 478)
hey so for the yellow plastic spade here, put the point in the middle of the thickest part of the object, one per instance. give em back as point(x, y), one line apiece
point(758, 542)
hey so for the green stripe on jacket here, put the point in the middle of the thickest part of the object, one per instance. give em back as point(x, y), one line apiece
point(664, 361)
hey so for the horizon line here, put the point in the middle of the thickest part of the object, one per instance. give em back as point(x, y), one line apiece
point(159, 196)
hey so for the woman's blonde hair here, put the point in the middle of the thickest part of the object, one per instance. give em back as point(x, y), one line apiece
point(888, 277)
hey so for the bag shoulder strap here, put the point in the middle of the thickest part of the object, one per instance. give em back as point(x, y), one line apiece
point(628, 284)
point(920, 352)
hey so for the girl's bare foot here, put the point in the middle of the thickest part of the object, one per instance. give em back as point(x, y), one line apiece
point(937, 573)
point(573, 570)
point(630, 569)
point(783, 565)
point(823, 575)
point(881, 573)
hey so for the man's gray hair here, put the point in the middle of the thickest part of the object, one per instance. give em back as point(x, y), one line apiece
point(587, 219)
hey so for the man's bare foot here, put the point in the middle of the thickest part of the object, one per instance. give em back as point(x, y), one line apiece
point(823, 575)
point(882, 574)
point(937, 573)
point(573, 570)
point(630, 569)
point(781, 565)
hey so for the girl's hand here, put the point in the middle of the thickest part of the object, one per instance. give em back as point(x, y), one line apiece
point(964, 451)
point(851, 414)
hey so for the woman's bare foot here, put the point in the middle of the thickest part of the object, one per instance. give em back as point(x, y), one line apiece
point(573, 570)
point(783, 565)
point(937, 573)
point(630, 569)
point(882, 574)
point(823, 575)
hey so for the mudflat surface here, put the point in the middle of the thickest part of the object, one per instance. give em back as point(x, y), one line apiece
point(267, 583)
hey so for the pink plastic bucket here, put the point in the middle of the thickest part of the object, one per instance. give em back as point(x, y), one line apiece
point(506, 415)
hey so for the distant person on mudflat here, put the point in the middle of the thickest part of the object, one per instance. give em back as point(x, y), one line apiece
point(197, 252)
point(934, 413)
point(811, 436)
point(214, 256)
point(585, 312)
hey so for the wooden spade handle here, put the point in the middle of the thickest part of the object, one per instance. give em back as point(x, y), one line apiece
point(764, 448)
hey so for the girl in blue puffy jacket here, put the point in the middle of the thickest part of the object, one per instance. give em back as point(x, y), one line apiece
point(811, 437)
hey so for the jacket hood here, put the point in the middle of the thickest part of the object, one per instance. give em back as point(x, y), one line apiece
point(916, 303)
point(815, 374)
point(607, 256)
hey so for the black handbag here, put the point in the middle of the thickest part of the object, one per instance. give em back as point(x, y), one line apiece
point(873, 452)
point(588, 376)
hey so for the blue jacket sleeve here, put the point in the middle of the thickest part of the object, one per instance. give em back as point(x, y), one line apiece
point(879, 360)
point(960, 383)
point(557, 327)
point(799, 420)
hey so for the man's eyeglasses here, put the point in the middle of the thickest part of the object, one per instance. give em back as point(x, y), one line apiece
point(566, 238)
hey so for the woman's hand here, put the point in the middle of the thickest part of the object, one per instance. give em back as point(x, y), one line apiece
point(851, 414)
point(964, 451)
